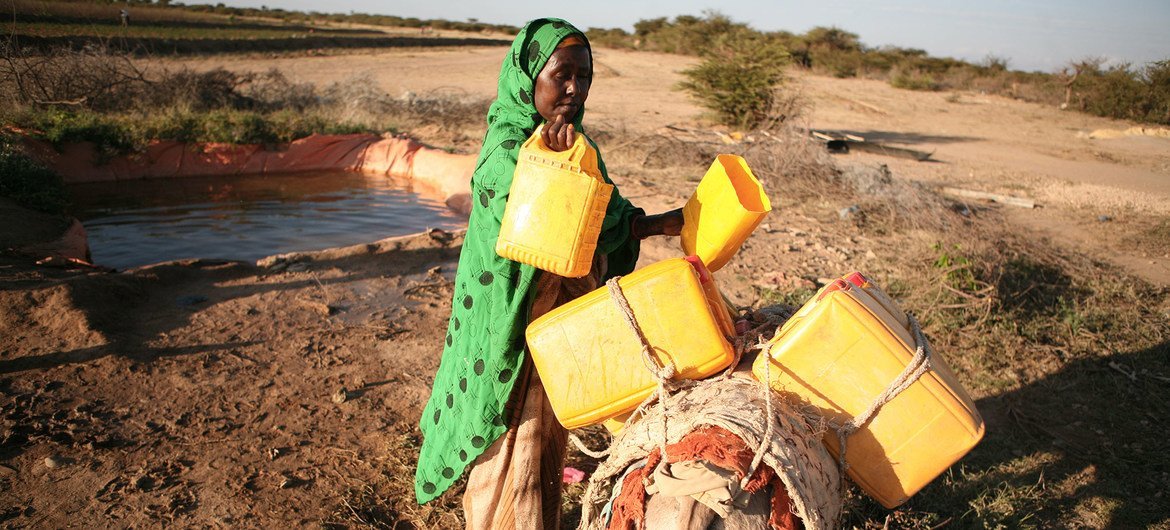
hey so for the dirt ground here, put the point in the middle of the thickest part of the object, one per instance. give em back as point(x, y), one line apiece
point(285, 393)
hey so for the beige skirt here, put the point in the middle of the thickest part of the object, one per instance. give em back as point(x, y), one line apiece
point(516, 483)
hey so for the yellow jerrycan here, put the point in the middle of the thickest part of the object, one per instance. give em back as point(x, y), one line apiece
point(591, 361)
point(842, 350)
point(727, 206)
point(555, 208)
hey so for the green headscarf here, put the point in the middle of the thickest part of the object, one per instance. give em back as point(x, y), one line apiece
point(485, 344)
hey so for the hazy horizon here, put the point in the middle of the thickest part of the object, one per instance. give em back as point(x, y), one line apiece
point(1033, 35)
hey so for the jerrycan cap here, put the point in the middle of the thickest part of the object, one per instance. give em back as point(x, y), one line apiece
point(858, 279)
point(837, 285)
point(697, 263)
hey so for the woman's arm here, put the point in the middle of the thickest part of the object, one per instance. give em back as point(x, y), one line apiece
point(664, 224)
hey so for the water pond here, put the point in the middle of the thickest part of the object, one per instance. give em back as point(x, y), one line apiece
point(140, 222)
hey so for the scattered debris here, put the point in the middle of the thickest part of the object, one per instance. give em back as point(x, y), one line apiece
point(288, 481)
point(144, 483)
point(843, 143)
point(70, 263)
point(995, 197)
point(848, 211)
point(572, 475)
point(864, 106)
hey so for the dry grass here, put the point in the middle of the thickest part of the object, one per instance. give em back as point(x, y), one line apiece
point(380, 495)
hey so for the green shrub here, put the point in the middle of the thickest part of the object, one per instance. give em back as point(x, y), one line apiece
point(1157, 107)
point(28, 183)
point(913, 80)
point(60, 127)
point(738, 78)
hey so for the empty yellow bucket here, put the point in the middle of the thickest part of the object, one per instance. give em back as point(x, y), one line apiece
point(838, 353)
point(591, 361)
point(555, 208)
point(727, 206)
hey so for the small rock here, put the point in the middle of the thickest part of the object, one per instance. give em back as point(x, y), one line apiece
point(845, 213)
point(870, 255)
point(144, 483)
point(288, 481)
point(341, 395)
point(190, 300)
point(274, 452)
point(53, 462)
point(1104, 218)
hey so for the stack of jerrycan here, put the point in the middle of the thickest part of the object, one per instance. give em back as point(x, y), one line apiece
point(843, 349)
point(555, 208)
point(586, 353)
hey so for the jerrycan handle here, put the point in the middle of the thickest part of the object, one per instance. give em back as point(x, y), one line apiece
point(575, 154)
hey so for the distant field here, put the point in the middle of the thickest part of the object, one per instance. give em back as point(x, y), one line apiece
point(53, 29)
point(169, 30)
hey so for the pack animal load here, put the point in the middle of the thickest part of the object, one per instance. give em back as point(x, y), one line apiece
point(863, 364)
point(555, 208)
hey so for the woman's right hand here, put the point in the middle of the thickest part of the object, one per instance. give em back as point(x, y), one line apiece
point(558, 135)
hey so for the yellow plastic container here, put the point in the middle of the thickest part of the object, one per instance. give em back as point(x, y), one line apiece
point(555, 208)
point(727, 206)
point(844, 348)
point(591, 361)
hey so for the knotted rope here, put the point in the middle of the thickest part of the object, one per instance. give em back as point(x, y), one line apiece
point(918, 365)
point(769, 419)
point(663, 369)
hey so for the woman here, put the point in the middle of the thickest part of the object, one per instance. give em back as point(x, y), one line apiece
point(488, 408)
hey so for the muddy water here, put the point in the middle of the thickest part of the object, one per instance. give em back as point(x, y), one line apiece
point(247, 217)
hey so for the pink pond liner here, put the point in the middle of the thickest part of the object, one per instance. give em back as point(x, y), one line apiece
point(436, 173)
point(432, 172)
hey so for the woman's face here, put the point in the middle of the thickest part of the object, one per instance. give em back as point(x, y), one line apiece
point(563, 85)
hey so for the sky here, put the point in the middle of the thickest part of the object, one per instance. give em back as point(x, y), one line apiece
point(1039, 35)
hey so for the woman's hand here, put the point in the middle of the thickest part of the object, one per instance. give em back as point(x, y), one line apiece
point(558, 135)
point(664, 224)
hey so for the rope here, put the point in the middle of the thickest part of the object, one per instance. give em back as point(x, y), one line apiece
point(662, 372)
point(918, 365)
point(769, 416)
point(584, 449)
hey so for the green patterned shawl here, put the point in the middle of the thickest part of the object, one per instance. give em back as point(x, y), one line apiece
point(485, 345)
